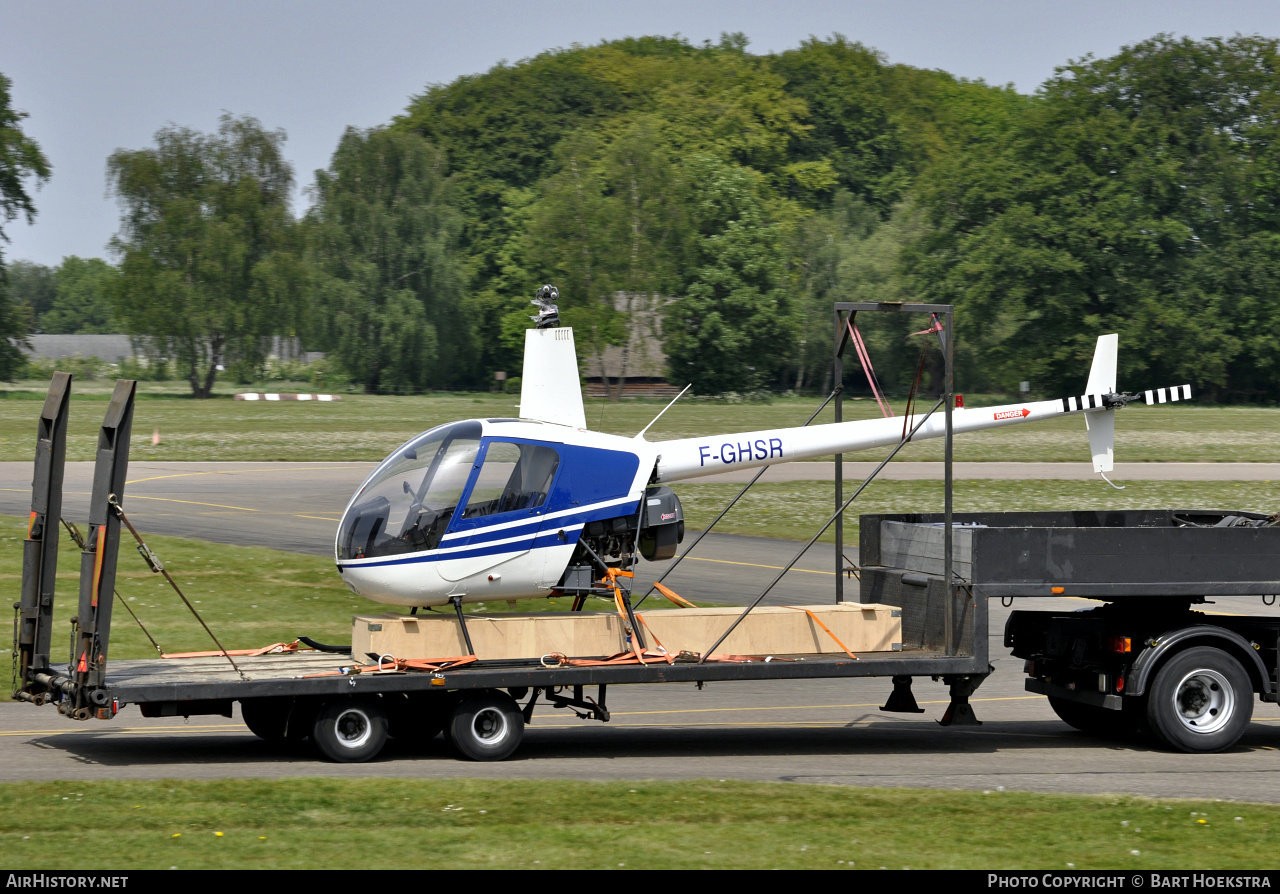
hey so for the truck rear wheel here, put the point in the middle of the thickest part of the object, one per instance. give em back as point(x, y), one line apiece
point(487, 726)
point(350, 731)
point(1200, 701)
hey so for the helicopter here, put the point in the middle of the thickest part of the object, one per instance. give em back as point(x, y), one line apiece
point(511, 508)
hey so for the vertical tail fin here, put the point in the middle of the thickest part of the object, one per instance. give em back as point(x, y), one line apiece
point(550, 390)
point(1101, 424)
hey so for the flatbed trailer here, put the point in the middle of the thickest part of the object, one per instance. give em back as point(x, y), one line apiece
point(1142, 661)
point(348, 707)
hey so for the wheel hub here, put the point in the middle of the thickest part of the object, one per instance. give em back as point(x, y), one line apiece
point(1204, 701)
point(489, 726)
point(353, 728)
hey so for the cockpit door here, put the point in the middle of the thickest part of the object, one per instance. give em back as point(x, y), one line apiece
point(501, 513)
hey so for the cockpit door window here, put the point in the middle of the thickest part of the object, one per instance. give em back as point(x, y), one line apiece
point(513, 478)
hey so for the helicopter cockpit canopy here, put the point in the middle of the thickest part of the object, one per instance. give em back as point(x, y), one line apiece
point(407, 503)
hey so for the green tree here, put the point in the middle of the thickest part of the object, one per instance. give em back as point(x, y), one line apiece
point(731, 330)
point(32, 288)
point(1134, 194)
point(388, 285)
point(820, 247)
point(509, 130)
point(608, 229)
point(850, 116)
point(20, 161)
point(210, 266)
point(84, 290)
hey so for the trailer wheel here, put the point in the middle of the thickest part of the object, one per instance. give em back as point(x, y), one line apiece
point(486, 726)
point(267, 718)
point(350, 731)
point(1201, 701)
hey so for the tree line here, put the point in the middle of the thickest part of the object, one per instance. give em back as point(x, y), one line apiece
point(722, 200)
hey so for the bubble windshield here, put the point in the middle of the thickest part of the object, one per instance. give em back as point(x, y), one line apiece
point(406, 505)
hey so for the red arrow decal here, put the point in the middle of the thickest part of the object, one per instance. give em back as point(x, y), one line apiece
point(1013, 414)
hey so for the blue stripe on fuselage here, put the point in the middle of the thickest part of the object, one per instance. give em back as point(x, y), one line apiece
point(542, 540)
point(479, 535)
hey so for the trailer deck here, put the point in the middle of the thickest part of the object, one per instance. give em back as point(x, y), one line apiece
point(194, 680)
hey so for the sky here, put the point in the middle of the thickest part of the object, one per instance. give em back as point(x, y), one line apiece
point(98, 77)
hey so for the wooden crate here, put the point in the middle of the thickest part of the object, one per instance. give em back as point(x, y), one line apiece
point(779, 630)
point(768, 630)
point(498, 636)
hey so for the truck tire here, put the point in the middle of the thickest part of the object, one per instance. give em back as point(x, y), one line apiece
point(1200, 701)
point(350, 731)
point(487, 726)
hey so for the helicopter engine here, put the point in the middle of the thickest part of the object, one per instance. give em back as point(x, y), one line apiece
point(661, 530)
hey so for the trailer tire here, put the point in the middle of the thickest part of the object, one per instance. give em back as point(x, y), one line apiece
point(350, 731)
point(1200, 701)
point(267, 718)
point(487, 726)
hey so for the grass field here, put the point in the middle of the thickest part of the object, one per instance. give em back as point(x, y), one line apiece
point(364, 427)
point(795, 510)
point(559, 824)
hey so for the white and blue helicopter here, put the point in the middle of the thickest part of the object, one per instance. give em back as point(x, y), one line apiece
point(504, 509)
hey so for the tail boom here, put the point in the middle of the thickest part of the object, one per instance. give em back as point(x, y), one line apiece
point(697, 457)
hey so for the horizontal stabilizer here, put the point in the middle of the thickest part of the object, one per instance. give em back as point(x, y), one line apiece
point(549, 387)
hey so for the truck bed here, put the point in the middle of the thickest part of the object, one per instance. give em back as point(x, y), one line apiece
point(1107, 555)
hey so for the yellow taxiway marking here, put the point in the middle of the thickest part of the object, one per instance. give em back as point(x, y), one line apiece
point(192, 503)
point(755, 565)
point(1010, 698)
point(790, 724)
point(127, 729)
point(237, 472)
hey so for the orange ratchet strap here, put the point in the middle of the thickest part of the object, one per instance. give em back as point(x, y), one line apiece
point(397, 665)
point(672, 595)
point(817, 621)
point(273, 649)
